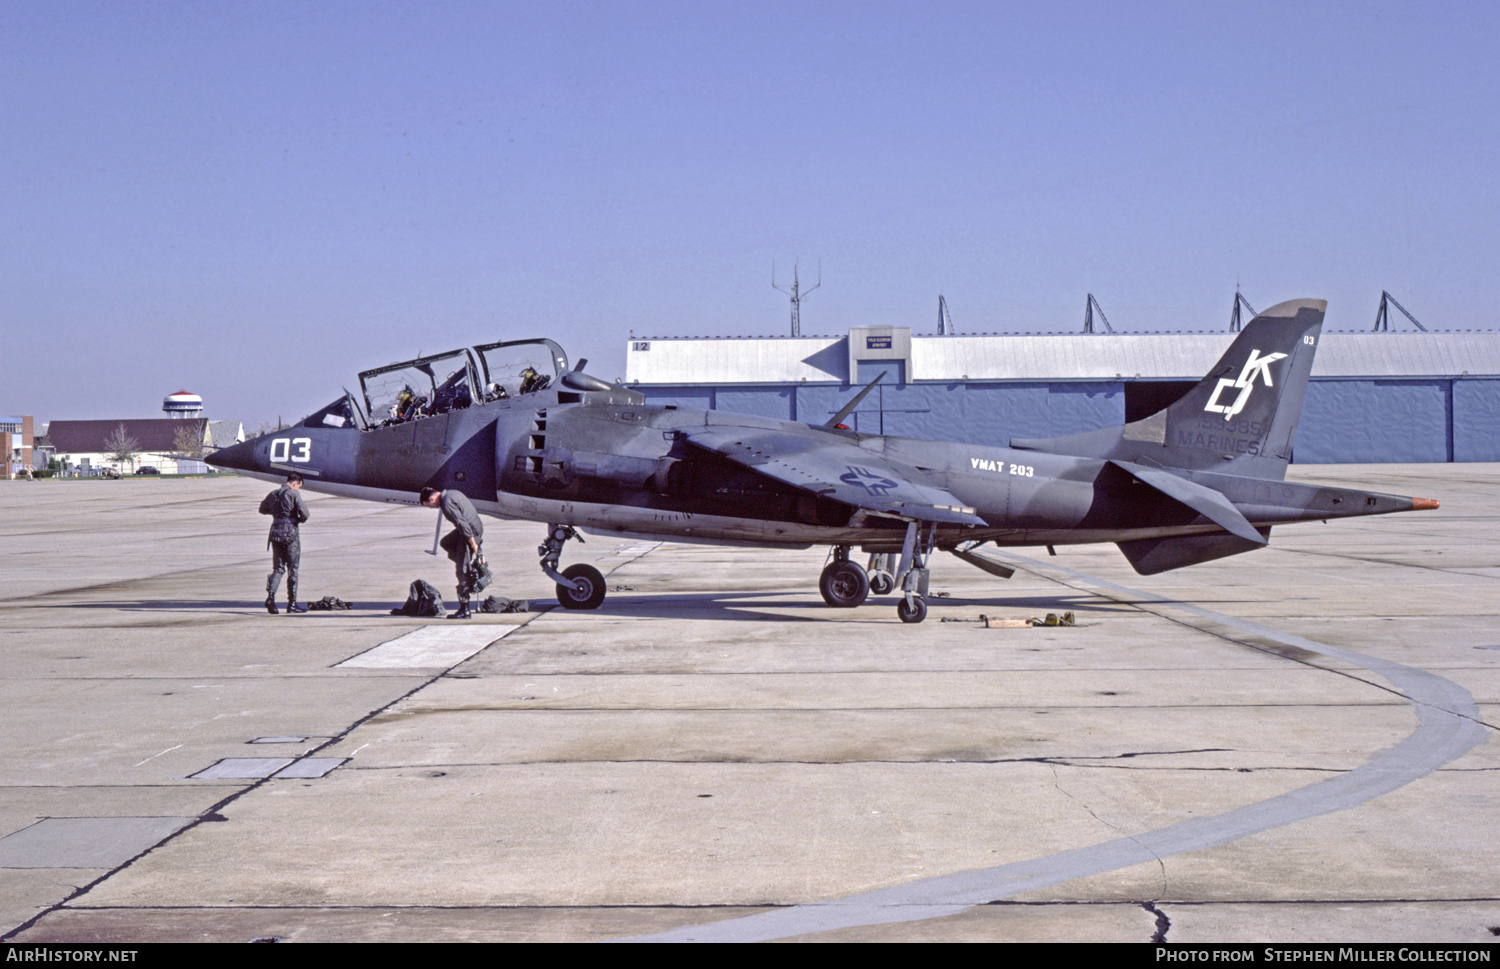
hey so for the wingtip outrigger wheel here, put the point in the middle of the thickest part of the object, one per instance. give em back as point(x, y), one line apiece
point(578, 586)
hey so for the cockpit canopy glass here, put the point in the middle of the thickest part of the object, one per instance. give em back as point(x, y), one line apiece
point(418, 388)
point(520, 367)
point(340, 413)
point(432, 385)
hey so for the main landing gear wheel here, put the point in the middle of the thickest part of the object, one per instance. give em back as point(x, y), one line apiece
point(590, 591)
point(844, 585)
point(912, 610)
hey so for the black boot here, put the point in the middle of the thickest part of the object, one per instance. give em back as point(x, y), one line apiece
point(463, 610)
point(291, 594)
point(271, 605)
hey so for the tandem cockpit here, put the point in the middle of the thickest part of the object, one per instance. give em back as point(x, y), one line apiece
point(428, 386)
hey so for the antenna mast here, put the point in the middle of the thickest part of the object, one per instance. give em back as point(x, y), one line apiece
point(1383, 315)
point(1234, 316)
point(797, 293)
point(1089, 309)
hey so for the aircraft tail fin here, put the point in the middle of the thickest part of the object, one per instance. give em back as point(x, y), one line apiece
point(1241, 417)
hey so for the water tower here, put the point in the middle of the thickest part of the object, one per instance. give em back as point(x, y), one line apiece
point(182, 405)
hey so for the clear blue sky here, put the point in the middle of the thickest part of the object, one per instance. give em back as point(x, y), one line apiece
point(253, 201)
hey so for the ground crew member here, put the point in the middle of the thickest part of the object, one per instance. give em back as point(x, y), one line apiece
point(463, 544)
point(287, 511)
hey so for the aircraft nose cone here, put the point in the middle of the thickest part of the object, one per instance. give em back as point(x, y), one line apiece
point(236, 457)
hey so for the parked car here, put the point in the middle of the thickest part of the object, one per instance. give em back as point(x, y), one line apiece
point(146, 469)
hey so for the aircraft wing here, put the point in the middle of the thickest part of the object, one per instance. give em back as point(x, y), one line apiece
point(829, 466)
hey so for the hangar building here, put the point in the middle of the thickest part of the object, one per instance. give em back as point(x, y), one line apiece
point(1374, 397)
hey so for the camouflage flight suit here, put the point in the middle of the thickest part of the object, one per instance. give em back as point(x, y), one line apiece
point(287, 511)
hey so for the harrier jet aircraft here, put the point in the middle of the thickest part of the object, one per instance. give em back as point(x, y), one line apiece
point(525, 437)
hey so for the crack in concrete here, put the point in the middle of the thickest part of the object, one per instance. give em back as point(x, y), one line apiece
point(1162, 922)
point(1454, 570)
point(1057, 786)
point(720, 759)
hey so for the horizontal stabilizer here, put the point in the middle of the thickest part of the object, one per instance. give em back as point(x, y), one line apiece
point(1205, 501)
point(1152, 555)
point(984, 564)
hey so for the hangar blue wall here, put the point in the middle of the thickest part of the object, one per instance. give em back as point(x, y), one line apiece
point(1343, 420)
point(1476, 425)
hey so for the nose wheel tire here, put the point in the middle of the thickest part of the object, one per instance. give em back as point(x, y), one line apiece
point(881, 583)
point(844, 585)
point(915, 612)
point(590, 591)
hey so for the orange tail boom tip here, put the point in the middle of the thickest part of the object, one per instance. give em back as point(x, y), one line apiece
point(1423, 504)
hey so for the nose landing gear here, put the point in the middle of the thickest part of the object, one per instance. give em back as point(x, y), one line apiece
point(578, 586)
point(587, 591)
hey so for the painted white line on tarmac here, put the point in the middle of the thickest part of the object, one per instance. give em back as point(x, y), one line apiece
point(430, 647)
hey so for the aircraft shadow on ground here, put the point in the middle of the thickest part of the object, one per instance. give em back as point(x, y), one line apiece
point(760, 607)
point(230, 606)
point(732, 606)
point(715, 606)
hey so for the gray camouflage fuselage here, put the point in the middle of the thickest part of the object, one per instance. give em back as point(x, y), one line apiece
point(1199, 480)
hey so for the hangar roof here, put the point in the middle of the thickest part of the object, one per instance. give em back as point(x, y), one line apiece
point(148, 434)
point(1062, 356)
point(737, 360)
